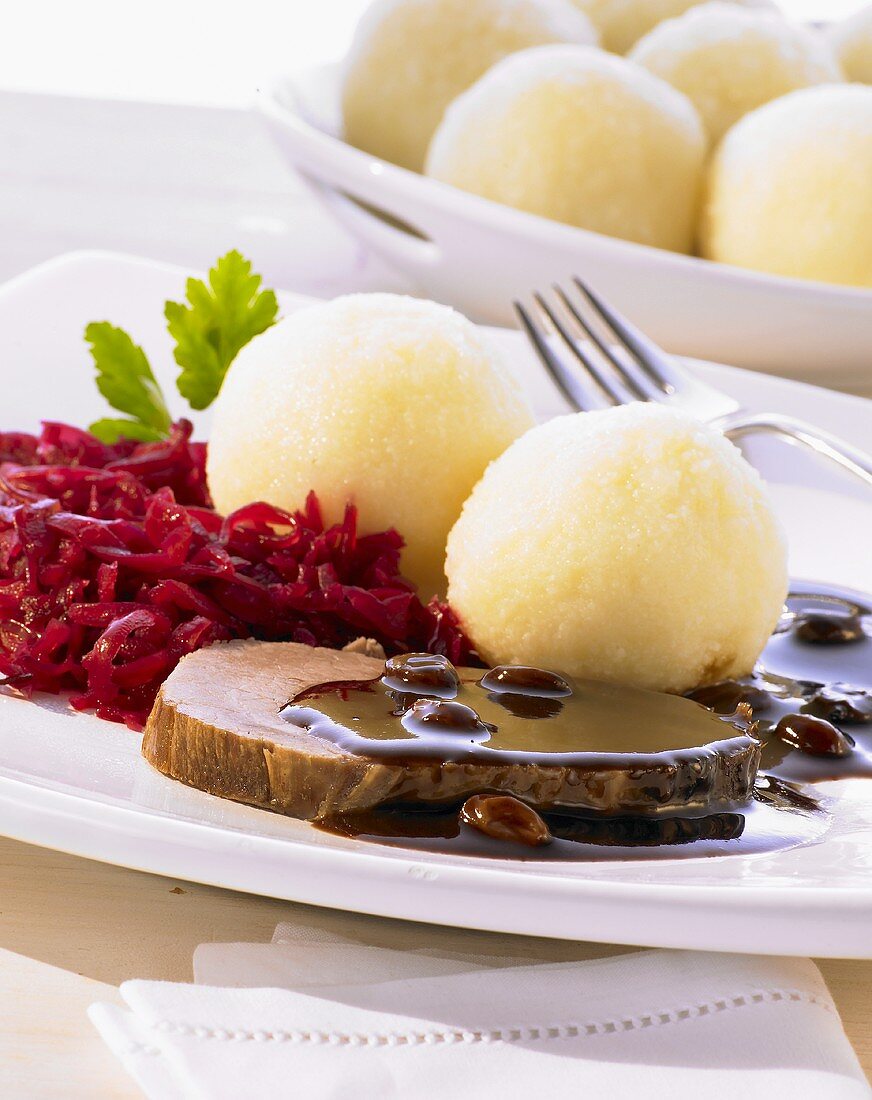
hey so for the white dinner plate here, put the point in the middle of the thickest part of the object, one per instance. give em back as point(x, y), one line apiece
point(78, 784)
point(479, 255)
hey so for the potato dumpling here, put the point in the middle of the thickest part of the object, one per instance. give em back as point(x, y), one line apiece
point(790, 188)
point(852, 41)
point(633, 545)
point(621, 23)
point(395, 404)
point(728, 60)
point(410, 58)
point(580, 136)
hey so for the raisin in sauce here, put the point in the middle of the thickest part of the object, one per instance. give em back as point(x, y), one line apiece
point(811, 692)
point(717, 772)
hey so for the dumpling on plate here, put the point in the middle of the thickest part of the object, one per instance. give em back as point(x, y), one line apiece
point(621, 23)
point(790, 188)
point(852, 40)
point(729, 60)
point(410, 58)
point(633, 545)
point(582, 137)
point(394, 404)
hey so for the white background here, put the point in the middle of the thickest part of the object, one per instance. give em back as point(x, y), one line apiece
point(192, 51)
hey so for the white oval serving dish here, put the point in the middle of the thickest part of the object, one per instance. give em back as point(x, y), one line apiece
point(76, 783)
point(478, 256)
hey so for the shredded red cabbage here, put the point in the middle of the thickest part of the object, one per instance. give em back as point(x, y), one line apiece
point(113, 566)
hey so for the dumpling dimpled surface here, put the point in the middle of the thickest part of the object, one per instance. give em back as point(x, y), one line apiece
point(633, 545)
point(852, 41)
point(790, 188)
point(410, 58)
point(621, 23)
point(392, 403)
point(729, 60)
point(582, 137)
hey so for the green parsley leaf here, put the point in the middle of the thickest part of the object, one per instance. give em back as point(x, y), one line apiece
point(110, 431)
point(125, 379)
point(217, 323)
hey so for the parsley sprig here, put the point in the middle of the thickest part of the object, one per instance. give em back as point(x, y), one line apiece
point(217, 323)
point(125, 379)
point(209, 329)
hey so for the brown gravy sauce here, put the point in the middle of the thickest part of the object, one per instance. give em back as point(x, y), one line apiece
point(810, 697)
point(588, 724)
point(817, 665)
point(778, 816)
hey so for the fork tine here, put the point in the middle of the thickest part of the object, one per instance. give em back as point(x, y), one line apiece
point(611, 394)
point(581, 394)
point(638, 382)
point(648, 354)
point(546, 356)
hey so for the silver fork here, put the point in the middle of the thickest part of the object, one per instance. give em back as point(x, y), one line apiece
point(598, 359)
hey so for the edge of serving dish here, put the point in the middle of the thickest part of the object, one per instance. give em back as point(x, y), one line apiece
point(480, 255)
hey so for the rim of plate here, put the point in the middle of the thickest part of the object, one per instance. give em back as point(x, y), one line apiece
point(500, 870)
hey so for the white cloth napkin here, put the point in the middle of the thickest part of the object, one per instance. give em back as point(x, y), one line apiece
point(318, 1013)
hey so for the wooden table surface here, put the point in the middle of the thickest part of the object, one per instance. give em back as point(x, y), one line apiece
point(72, 930)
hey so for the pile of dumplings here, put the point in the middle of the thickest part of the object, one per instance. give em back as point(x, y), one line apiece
point(718, 128)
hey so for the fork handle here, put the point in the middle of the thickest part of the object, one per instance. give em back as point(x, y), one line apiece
point(850, 458)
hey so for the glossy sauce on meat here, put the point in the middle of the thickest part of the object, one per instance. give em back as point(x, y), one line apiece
point(809, 699)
